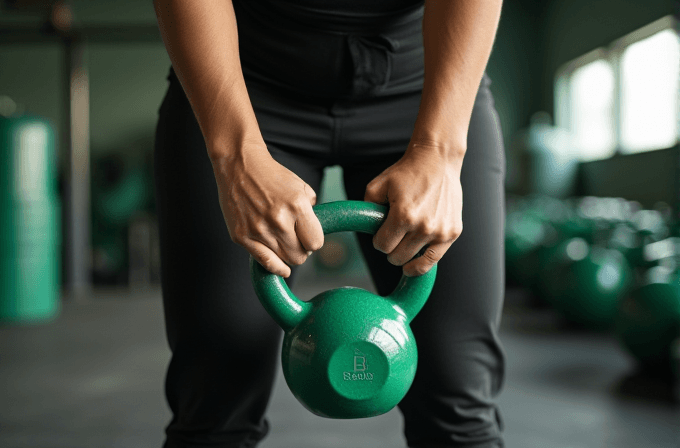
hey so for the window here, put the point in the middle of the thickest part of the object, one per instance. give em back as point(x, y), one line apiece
point(650, 70)
point(623, 98)
point(591, 109)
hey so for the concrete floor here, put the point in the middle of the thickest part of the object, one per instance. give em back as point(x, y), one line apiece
point(94, 377)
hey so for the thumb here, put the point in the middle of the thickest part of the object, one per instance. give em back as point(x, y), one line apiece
point(376, 190)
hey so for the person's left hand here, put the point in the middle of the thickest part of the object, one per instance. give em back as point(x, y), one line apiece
point(425, 200)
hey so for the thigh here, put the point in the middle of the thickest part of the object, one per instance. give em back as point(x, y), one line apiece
point(461, 361)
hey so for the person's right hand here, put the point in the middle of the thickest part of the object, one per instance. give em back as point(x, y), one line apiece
point(268, 209)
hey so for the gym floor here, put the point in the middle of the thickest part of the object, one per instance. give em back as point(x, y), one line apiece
point(94, 378)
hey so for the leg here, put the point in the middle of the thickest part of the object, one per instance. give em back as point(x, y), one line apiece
point(461, 361)
point(224, 345)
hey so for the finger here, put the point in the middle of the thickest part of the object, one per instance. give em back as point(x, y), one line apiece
point(408, 248)
point(376, 191)
point(311, 194)
point(290, 248)
point(391, 232)
point(421, 265)
point(308, 229)
point(267, 258)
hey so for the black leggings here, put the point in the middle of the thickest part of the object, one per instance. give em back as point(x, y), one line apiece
point(225, 347)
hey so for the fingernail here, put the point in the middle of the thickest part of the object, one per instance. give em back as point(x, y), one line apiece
point(309, 252)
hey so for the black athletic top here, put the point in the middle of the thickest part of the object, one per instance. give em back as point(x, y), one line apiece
point(332, 48)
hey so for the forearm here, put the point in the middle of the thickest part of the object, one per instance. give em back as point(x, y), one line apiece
point(457, 37)
point(202, 41)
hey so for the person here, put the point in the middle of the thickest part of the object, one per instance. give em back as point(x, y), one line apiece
point(262, 96)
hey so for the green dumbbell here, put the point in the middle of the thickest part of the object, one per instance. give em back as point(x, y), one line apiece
point(347, 353)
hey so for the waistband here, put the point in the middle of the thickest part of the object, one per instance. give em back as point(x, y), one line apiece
point(331, 63)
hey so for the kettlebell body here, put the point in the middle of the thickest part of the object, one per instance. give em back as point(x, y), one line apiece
point(347, 353)
point(353, 356)
point(586, 283)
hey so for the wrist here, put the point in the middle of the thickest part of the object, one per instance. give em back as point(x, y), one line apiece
point(450, 152)
point(231, 146)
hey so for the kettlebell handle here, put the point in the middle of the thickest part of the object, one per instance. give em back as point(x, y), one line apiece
point(410, 294)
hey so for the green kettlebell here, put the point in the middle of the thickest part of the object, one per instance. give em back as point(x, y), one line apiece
point(347, 353)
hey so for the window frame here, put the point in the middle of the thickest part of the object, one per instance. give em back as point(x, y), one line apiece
point(612, 54)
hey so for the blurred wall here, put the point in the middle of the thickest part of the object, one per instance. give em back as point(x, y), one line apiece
point(571, 28)
point(645, 177)
point(127, 81)
point(514, 65)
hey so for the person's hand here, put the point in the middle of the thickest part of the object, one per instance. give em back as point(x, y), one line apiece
point(268, 209)
point(425, 200)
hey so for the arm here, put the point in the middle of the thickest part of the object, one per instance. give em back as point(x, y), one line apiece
point(423, 188)
point(267, 208)
point(457, 38)
point(202, 42)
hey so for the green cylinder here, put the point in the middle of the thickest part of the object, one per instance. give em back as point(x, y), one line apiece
point(30, 221)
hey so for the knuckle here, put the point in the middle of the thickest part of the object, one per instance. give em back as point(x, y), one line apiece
point(429, 228)
point(371, 186)
point(451, 233)
point(440, 236)
point(236, 237)
point(379, 245)
point(258, 231)
point(266, 261)
point(457, 230)
point(421, 269)
point(279, 216)
point(300, 203)
point(409, 218)
point(317, 244)
point(297, 259)
point(431, 255)
point(238, 233)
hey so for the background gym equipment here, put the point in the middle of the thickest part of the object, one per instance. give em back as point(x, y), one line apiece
point(30, 218)
point(587, 282)
point(57, 26)
point(631, 237)
point(347, 353)
point(648, 322)
point(122, 188)
point(545, 157)
point(555, 248)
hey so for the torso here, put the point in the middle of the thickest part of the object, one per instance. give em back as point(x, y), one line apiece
point(310, 46)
